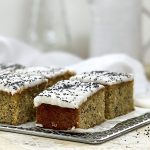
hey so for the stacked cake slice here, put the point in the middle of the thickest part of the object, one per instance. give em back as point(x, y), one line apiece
point(19, 87)
point(70, 104)
point(119, 90)
point(85, 100)
point(53, 74)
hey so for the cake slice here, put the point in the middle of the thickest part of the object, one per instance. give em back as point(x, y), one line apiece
point(70, 104)
point(53, 74)
point(18, 89)
point(119, 90)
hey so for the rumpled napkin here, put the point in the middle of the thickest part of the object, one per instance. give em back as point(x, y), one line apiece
point(14, 51)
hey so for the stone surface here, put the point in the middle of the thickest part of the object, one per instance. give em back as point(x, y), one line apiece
point(138, 139)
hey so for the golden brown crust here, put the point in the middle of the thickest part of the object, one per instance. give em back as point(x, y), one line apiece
point(55, 117)
point(18, 108)
point(119, 99)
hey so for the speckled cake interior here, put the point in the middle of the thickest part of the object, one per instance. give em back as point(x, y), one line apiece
point(18, 108)
point(70, 104)
point(119, 99)
point(119, 90)
point(18, 89)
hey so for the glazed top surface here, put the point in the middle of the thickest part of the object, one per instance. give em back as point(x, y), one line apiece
point(103, 77)
point(13, 81)
point(67, 93)
point(48, 72)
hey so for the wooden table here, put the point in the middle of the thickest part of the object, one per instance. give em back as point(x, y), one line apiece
point(138, 140)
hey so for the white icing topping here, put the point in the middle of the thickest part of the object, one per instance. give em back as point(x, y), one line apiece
point(67, 93)
point(103, 77)
point(13, 79)
point(48, 72)
point(14, 82)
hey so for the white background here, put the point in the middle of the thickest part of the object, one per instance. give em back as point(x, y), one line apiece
point(15, 19)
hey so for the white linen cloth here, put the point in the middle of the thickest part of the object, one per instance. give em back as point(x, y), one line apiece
point(13, 51)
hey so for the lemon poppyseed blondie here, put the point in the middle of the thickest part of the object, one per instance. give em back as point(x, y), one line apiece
point(18, 89)
point(119, 90)
point(53, 74)
point(70, 104)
